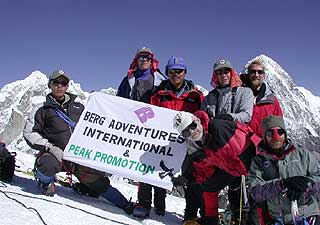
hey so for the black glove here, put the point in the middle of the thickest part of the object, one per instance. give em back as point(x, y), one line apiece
point(198, 155)
point(297, 183)
point(294, 194)
point(179, 181)
point(224, 116)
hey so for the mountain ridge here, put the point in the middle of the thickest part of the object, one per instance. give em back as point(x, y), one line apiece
point(301, 108)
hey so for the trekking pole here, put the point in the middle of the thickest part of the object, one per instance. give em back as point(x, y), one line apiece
point(243, 195)
point(294, 211)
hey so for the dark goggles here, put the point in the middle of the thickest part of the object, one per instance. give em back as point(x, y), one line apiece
point(144, 57)
point(270, 133)
point(56, 83)
point(175, 71)
point(254, 72)
point(221, 72)
point(187, 132)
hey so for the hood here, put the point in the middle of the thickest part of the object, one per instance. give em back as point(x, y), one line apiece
point(235, 80)
point(266, 150)
point(134, 64)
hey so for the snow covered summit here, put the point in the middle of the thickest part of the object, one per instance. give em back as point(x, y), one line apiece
point(301, 108)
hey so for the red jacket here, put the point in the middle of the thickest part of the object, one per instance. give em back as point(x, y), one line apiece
point(189, 101)
point(265, 106)
point(230, 147)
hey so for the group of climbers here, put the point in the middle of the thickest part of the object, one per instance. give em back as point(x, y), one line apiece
point(235, 137)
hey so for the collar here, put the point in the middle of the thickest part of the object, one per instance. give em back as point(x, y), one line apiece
point(143, 74)
point(54, 101)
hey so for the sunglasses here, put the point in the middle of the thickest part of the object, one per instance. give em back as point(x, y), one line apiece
point(175, 71)
point(144, 57)
point(187, 132)
point(253, 72)
point(221, 72)
point(270, 132)
point(56, 83)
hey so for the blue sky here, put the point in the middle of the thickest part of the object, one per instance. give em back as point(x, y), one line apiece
point(95, 40)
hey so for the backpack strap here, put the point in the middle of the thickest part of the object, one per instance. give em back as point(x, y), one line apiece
point(65, 118)
point(233, 93)
point(233, 96)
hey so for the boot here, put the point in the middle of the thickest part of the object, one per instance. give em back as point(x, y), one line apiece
point(48, 190)
point(209, 220)
point(44, 183)
point(130, 207)
point(141, 212)
point(159, 212)
point(194, 221)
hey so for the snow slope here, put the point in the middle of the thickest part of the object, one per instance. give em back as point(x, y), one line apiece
point(67, 207)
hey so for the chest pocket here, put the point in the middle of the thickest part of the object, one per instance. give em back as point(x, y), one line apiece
point(75, 111)
point(191, 100)
point(142, 89)
point(270, 169)
point(214, 103)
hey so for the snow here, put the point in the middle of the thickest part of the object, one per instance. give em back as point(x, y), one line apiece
point(314, 101)
point(67, 207)
point(38, 99)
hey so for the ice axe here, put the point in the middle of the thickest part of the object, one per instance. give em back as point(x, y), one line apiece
point(167, 171)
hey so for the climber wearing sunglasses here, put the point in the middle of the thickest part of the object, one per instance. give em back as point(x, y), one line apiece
point(282, 173)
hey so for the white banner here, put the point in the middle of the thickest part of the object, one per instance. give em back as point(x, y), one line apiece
point(127, 138)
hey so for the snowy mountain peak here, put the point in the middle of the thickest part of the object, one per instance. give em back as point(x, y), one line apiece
point(301, 108)
point(16, 100)
point(272, 68)
point(36, 75)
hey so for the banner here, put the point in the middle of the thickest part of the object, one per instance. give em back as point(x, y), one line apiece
point(127, 138)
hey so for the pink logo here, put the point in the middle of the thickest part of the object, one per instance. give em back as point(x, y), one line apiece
point(144, 114)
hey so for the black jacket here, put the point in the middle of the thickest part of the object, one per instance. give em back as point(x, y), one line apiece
point(44, 125)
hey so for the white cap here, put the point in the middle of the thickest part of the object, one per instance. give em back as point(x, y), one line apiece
point(182, 120)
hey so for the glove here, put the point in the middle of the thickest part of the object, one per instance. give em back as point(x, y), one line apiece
point(198, 155)
point(224, 116)
point(294, 195)
point(55, 151)
point(179, 181)
point(297, 183)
